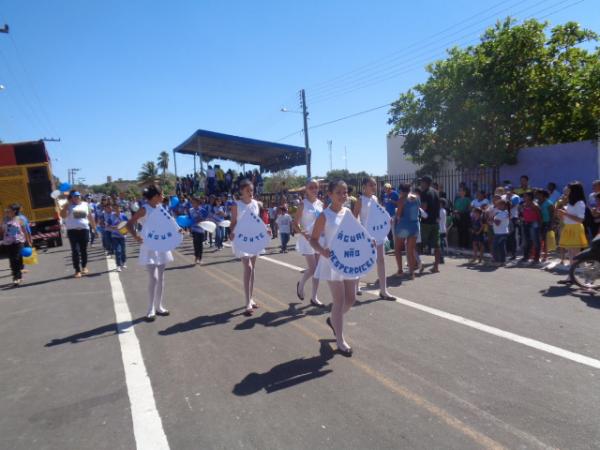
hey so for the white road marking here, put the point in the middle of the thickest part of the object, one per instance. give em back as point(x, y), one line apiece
point(538, 345)
point(284, 264)
point(275, 261)
point(147, 425)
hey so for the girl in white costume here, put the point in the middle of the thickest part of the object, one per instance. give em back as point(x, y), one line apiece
point(361, 211)
point(306, 215)
point(343, 290)
point(154, 261)
point(245, 204)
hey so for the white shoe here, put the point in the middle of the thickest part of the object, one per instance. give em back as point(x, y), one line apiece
point(118, 268)
point(124, 266)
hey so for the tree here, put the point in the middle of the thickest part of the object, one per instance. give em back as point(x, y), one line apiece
point(292, 180)
point(163, 163)
point(148, 173)
point(343, 174)
point(516, 88)
point(106, 188)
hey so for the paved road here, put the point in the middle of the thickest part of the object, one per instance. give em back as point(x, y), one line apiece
point(427, 373)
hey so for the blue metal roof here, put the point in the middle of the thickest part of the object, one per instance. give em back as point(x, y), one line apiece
point(271, 156)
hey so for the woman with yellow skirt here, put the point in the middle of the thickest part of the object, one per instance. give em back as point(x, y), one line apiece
point(572, 236)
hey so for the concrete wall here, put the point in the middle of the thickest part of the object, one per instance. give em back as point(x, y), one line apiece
point(561, 163)
point(397, 161)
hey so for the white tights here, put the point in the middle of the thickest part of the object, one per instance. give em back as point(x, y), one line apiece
point(156, 288)
point(381, 269)
point(311, 263)
point(344, 296)
point(249, 267)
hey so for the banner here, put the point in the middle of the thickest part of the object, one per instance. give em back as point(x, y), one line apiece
point(251, 235)
point(352, 251)
point(160, 231)
point(378, 222)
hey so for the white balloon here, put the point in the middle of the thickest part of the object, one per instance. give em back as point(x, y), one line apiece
point(55, 194)
point(209, 226)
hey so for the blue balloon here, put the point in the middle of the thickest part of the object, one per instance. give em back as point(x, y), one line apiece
point(64, 187)
point(26, 252)
point(184, 221)
point(174, 201)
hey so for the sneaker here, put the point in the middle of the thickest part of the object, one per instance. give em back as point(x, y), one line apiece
point(124, 266)
point(119, 269)
point(77, 274)
point(85, 271)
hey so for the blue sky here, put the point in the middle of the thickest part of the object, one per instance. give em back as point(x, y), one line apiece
point(120, 81)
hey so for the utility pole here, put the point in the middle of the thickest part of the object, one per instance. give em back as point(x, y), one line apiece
point(330, 143)
point(71, 175)
point(306, 146)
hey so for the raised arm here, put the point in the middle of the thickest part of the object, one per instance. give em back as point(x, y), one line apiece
point(133, 221)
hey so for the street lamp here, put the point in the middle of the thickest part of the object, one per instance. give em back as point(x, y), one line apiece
point(304, 113)
point(284, 109)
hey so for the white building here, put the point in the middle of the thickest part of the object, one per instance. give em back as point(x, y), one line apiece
point(397, 162)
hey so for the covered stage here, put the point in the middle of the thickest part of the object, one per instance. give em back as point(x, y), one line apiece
point(270, 156)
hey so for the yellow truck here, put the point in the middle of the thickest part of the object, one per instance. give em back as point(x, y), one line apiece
point(26, 178)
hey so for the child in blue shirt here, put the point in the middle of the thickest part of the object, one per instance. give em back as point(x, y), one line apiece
point(197, 213)
point(218, 215)
point(117, 239)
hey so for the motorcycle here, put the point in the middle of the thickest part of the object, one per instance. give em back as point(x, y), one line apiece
point(585, 270)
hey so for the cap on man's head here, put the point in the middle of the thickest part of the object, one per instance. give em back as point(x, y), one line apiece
point(76, 194)
point(427, 179)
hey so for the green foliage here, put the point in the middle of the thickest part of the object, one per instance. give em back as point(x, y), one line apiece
point(149, 173)
point(163, 162)
point(518, 87)
point(133, 191)
point(106, 188)
point(273, 183)
point(343, 174)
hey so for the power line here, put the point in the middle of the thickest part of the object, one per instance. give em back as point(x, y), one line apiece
point(402, 53)
point(349, 116)
point(389, 104)
point(334, 121)
point(393, 70)
point(43, 111)
point(289, 135)
point(26, 101)
point(398, 69)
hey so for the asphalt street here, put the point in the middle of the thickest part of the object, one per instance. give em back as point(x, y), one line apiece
point(472, 357)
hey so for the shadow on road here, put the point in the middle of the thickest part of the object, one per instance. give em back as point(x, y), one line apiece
point(588, 297)
point(278, 318)
point(185, 266)
point(96, 333)
point(52, 280)
point(287, 374)
point(202, 322)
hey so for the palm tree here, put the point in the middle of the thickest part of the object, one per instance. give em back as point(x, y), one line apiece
point(148, 173)
point(163, 163)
